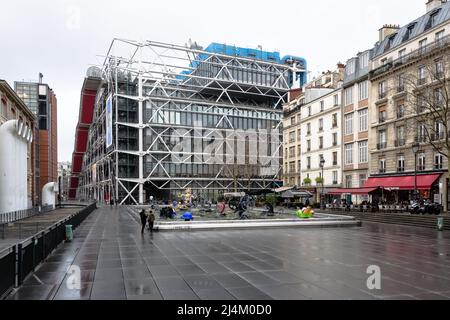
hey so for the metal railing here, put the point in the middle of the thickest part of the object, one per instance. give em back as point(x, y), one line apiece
point(382, 145)
point(412, 56)
point(8, 217)
point(21, 259)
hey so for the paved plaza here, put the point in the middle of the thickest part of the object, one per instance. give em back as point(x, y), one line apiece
point(325, 263)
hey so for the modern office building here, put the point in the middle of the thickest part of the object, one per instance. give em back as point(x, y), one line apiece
point(41, 100)
point(409, 102)
point(27, 178)
point(168, 118)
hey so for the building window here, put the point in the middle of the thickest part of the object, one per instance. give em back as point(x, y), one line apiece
point(421, 132)
point(348, 96)
point(421, 75)
point(308, 145)
point(292, 121)
point(292, 152)
point(336, 100)
point(421, 104)
point(401, 53)
point(308, 129)
point(335, 177)
point(348, 120)
point(363, 120)
point(299, 135)
point(439, 36)
point(348, 182)
point(382, 165)
point(322, 106)
point(382, 143)
point(400, 111)
point(335, 139)
point(308, 163)
point(401, 83)
point(335, 158)
point(382, 114)
point(439, 69)
point(382, 89)
point(334, 120)
point(364, 60)
point(400, 136)
point(309, 111)
point(349, 154)
point(299, 150)
point(291, 136)
point(350, 69)
point(423, 45)
point(320, 124)
point(363, 152)
point(438, 161)
point(363, 89)
point(421, 162)
point(320, 142)
point(292, 167)
point(438, 98)
point(362, 180)
point(438, 131)
point(401, 164)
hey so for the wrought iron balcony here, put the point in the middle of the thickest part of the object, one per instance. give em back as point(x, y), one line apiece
point(400, 142)
point(382, 145)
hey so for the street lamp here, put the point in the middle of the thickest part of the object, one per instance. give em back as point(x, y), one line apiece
point(322, 164)
point(415, 149)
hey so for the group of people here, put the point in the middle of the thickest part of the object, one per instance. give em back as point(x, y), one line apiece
point(147, 216)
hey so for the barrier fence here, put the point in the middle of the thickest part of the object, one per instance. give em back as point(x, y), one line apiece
point(21, 259)
point(8, 217)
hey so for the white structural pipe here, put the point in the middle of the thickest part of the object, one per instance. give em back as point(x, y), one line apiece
point(14, 139)
point(49, 194)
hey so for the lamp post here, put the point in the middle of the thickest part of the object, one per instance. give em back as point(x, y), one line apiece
point(415, 149)
point(322, 205)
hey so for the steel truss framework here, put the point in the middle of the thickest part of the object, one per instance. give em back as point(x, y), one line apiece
point(165, 94)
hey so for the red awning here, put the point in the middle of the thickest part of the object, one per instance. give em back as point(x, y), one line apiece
point(424, 182)
point(356, 191)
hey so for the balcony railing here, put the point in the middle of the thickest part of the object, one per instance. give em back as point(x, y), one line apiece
point(382, 145)
point(401, 169)
point(400, 142)
point(335, 163)
point(382, 119)
point(400, 88)
point(382, 170)
point(421, 168)
point(382, 95)
point(437, 136)
point(308, 167)
point(400, 114)
point(421, 81)
point(416, 54)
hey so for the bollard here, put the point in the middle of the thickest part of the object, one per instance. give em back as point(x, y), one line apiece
point(440, 223)
point(69, 233)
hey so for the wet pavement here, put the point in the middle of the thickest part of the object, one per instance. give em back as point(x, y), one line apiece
point(117, 262)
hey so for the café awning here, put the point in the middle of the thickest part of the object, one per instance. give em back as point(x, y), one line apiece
point(424, 182)
point(354, 191)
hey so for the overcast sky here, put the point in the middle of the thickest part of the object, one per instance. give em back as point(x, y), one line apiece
point(62, 38)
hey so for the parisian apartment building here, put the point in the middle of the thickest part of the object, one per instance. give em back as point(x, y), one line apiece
point(355, 121)
point(388, 132)
point(312, 132)
point(410, 65)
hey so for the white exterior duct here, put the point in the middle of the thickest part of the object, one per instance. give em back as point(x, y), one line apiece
point(14, 139)
point(49, 194)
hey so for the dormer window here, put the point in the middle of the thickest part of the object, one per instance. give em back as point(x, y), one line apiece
point(390, 42)
point(409, 32)
point(433, 20)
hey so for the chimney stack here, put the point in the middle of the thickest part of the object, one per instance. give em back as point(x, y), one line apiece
point(433, 4)
point(387, 30)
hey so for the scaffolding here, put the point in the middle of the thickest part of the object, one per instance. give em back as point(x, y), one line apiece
point(169, 118)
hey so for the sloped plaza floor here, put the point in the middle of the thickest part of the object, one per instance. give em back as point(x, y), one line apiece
point(117, 262)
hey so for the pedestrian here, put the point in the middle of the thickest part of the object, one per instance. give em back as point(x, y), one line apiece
point(151, 220)
point(143, 220)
